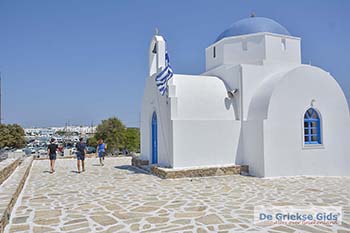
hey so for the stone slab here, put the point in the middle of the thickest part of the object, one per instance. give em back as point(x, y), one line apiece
point(117, 197)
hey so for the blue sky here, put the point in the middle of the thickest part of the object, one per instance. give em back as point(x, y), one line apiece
point(83, 61)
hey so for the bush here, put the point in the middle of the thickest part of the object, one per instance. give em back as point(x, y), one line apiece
point(116, 135)
point(12, 136)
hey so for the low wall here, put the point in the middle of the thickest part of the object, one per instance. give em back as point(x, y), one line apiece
point(15, 154)
point(14, 186)
point(7, 167)
point(135, 161)
point(168, 173)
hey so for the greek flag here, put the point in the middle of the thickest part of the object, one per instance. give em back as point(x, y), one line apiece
point(163, 77)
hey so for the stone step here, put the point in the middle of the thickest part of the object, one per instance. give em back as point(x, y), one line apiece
point(7, 166)
point(11, 188)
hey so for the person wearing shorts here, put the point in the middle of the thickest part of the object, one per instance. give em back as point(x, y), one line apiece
point(101, 151)
point(51, 150)
point(81, 151)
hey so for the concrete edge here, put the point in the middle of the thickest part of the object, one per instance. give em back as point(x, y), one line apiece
point(7, 171)
point(7, 213)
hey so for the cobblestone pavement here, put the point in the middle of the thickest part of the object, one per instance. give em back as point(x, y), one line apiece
point(120, 198)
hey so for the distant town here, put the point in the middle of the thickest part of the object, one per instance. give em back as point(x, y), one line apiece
point(66, 137)
point(77, 131)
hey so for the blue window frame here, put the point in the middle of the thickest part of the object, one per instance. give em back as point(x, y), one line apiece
point(312, 127)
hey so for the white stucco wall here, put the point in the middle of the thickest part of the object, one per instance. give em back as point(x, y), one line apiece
point(253, 138)
point(284, 149)
point(276, 52)
point(154, 102)
point(205, 142)
point(205, 129)
point(197, 123)
point(255, 48)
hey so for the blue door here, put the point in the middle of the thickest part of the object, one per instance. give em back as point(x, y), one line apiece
point(154, 139)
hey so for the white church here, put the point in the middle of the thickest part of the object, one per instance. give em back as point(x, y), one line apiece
point(254, 105)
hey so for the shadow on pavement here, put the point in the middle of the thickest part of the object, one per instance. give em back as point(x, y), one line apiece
point(131, 169)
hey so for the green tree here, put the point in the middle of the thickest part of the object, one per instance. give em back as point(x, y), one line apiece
point(12, 136)
point(112, 131)
point(4, 132)
point(19, 134)
point(92, 142)
point(132, 136)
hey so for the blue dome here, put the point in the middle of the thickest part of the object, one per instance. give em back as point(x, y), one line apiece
point(253, 25)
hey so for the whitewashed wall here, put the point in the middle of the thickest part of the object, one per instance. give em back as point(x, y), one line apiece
point(205, 131)
point(285, 153)
point(153, 102)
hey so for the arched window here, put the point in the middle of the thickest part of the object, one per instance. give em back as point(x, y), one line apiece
point(312, 127)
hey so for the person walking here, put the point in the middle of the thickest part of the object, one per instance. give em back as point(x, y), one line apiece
point(51, 150)
point(81, 152)
point(101, 150)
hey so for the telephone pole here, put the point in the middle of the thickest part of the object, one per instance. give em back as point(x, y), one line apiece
point(0, 102)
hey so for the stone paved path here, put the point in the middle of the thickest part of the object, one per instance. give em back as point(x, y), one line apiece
point(119, 198)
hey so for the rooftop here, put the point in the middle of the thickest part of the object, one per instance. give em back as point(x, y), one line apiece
point(253, 25)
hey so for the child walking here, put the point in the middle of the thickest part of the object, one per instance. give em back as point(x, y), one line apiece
point(101, 150)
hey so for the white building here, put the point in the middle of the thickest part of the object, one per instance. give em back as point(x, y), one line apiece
point(81, 130)
point(50, 131)
point(255, 105)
